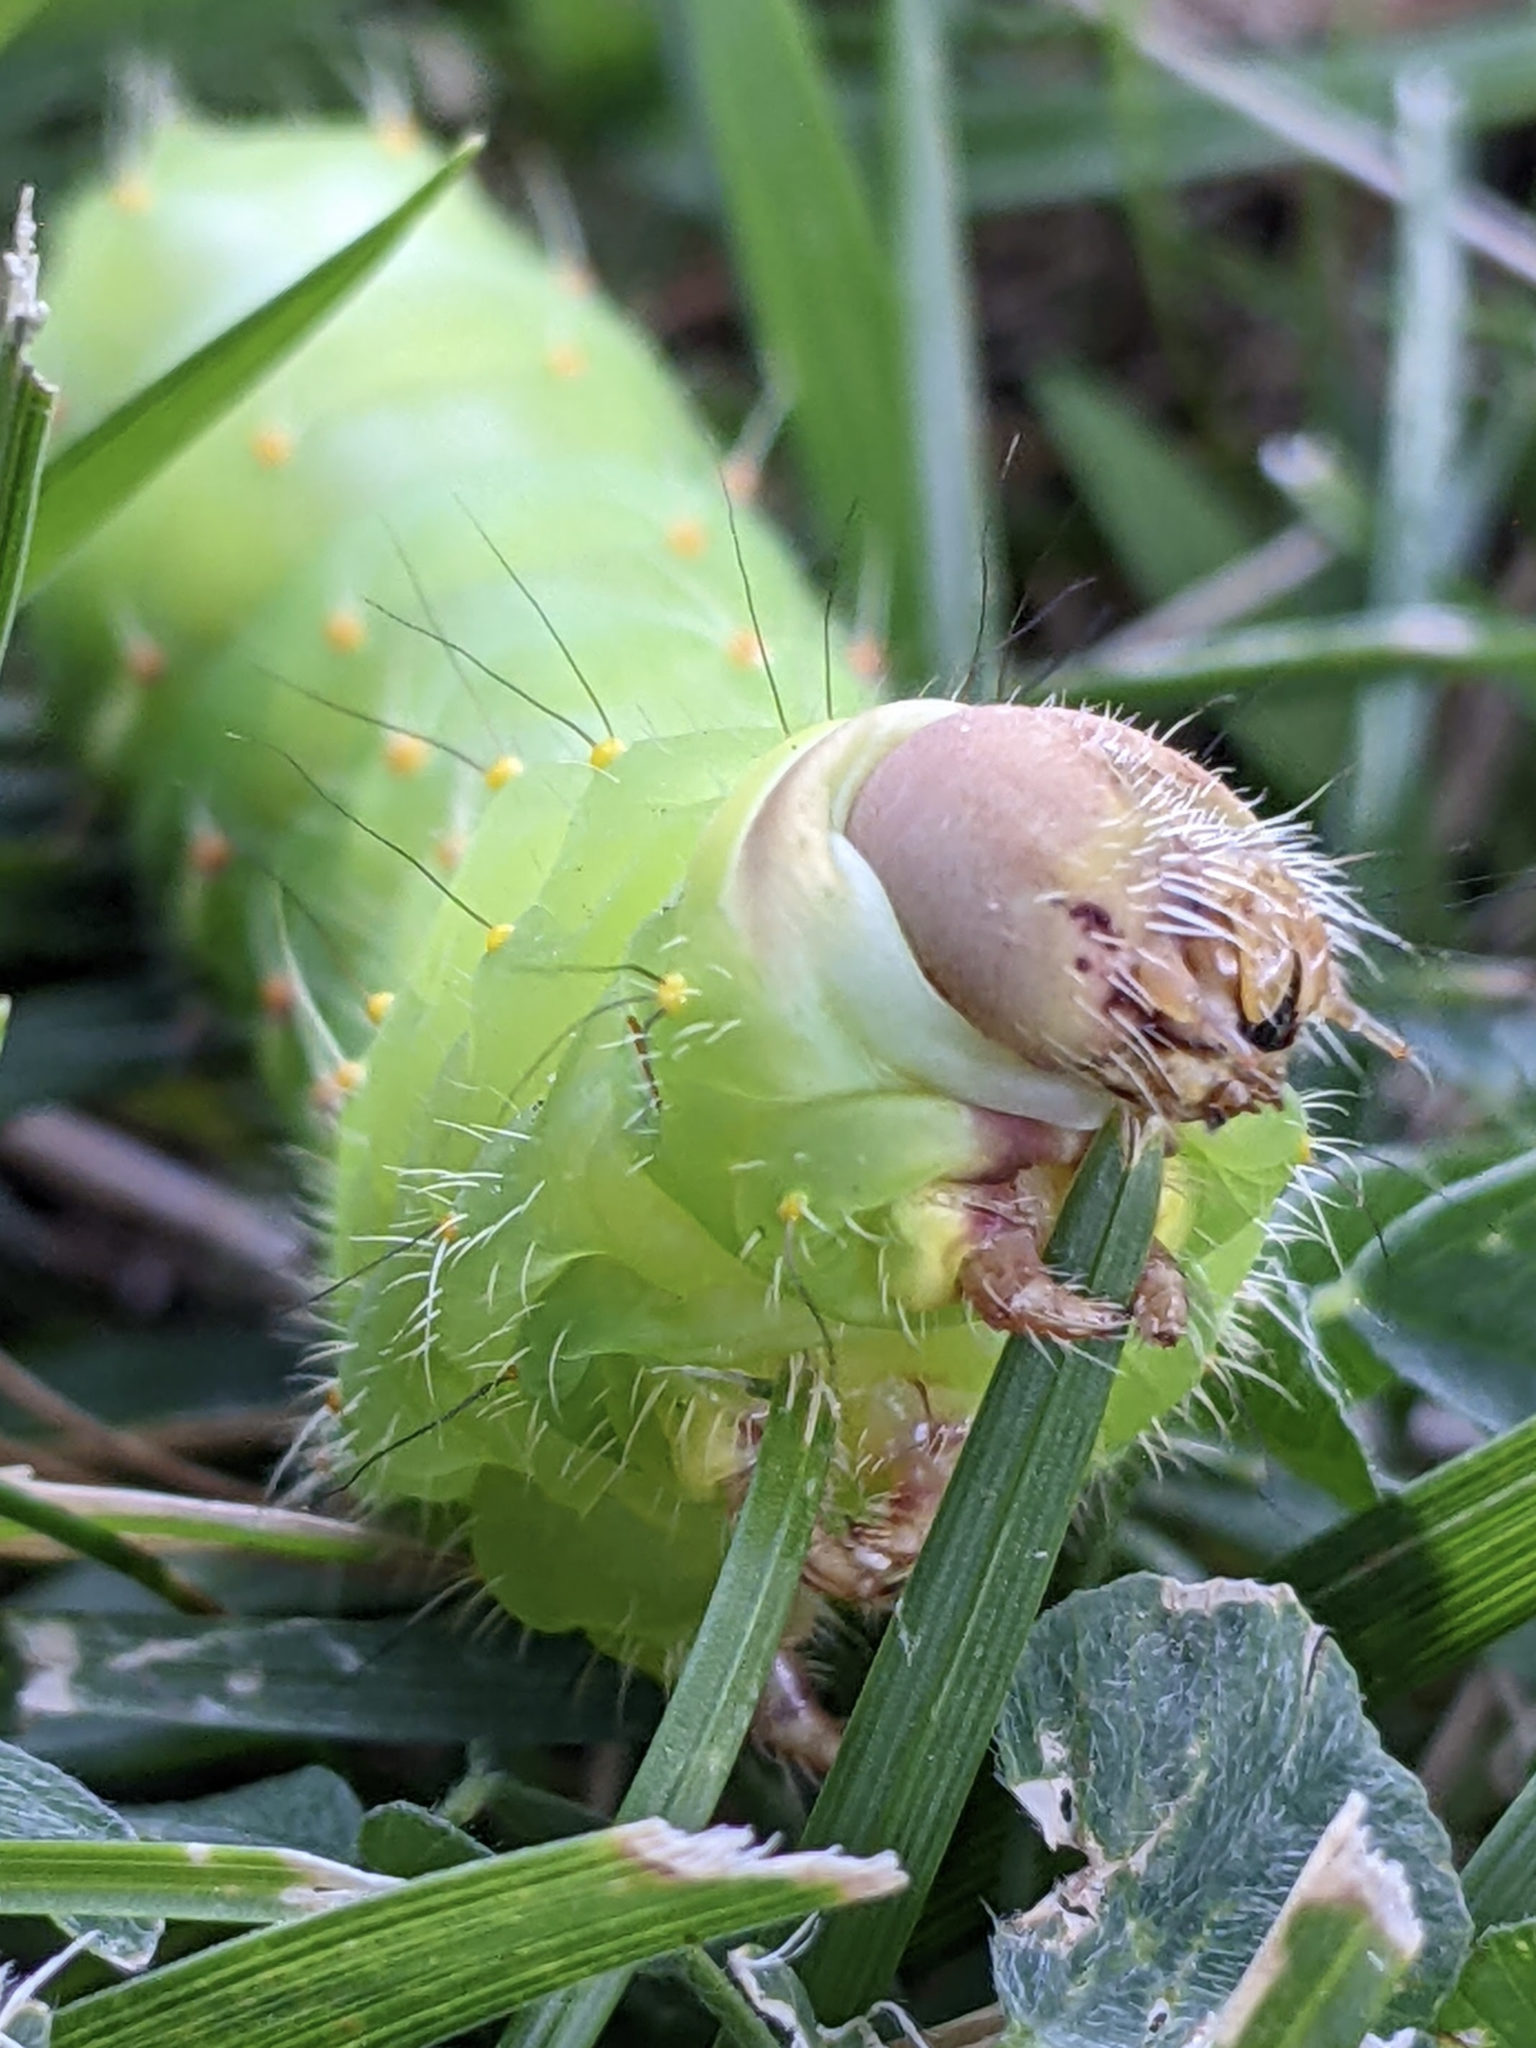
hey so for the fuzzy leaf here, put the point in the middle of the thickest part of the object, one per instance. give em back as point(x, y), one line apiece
point(1194, 1742)
point(40, 1804)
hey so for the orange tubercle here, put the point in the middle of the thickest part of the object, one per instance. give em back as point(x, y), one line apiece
point(345, 630)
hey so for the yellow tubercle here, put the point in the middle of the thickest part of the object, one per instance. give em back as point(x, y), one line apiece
point(272, 446)
point(348, 1074)
point(345, 630)
point(447, 1232)
point(277, 996)
point(745, 649)
point(794, 1207)
point(606, 752)
point(497, 935)
point(504, 769)
point(406, 753)
point(687, 538)
point(143, 658)
point(672, 992)
point(132, 193)
point(379, 1005)
point(565, 359)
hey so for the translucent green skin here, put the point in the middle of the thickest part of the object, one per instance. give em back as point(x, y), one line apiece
point(589, 1226)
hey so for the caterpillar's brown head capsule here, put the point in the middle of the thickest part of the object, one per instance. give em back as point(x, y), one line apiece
point(1103, 906)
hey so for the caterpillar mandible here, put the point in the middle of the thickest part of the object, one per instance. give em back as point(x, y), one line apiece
point(672, 1008)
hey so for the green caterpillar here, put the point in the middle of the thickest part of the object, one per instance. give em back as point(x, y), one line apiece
point(674, 1010)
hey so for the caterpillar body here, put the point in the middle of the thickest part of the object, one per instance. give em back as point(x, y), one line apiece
point(674, 1009)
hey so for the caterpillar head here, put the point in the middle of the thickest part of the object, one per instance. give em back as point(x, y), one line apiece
point(1104, 907)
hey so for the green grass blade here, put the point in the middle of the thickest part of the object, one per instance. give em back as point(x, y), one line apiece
point(87, 1538)
point(1499, 1882)
point(392, 1680)
point(173, 1521)
point(1440, 639)
point(101, 471)
point(448, 1952)
point(1383, 796)
point(177, 1881)
point(937, 337)
point(1421, 1582)
point(26, 409)
point(819, 284)
point(921, 1726)
point(685, 1768)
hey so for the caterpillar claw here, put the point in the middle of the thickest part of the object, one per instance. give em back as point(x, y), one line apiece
point(1160, 1305)
point(1008, 1284)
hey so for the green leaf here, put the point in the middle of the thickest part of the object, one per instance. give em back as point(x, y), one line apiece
point(921, 1725)
point(1442, 1293)
point(26, 405)
point(1499, 1881)
point(1494, 2001)
point(1165, 521)
point(1195, 1744)
point(1440, 639)
point(154, 1881)
point(1423, 1581)
point(43, 1808)
point(938, 341)
point(311, 1809)
point(431, 1959)
point(821, 289)
point(406, 1840)
point(685, 1769)
point(96, 475)
point(357, 1681)
point(1329, 1966)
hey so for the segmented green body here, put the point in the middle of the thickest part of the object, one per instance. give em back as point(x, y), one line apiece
point(608, 1157)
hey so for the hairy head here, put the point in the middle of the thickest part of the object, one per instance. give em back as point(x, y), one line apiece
point(1102, 905)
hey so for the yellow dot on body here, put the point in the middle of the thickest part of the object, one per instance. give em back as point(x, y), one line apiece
point(396, 134)
point(144, 658)
point(278, 996)
point(672, 992)
point(742, 478)
point(447, 1232)
point(866, 657)
point(348, 1074)
point(565, 359)
point(606, 752)
point(406, 753)
point(795, 1207)
point(132, 194)
point(497, 935)
point(209, 851)
point(272, 446)
point(1303, 1149)
point(574, 278)
point(332, 1398)
point(504, 769)
point(345, 630)
point(379, 1005)
point(745, 649)
point(686, 537)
